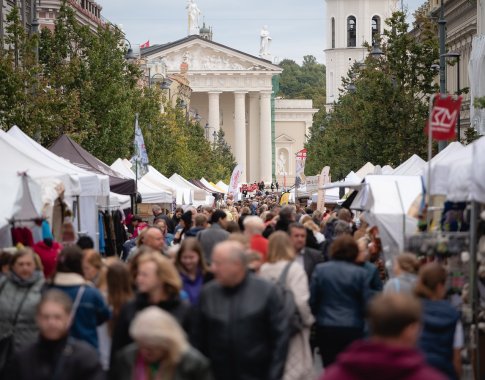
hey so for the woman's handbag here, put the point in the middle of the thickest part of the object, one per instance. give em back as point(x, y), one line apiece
point(7, 341)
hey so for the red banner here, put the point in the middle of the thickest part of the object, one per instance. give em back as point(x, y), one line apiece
point(444, 114)
point(145, 45)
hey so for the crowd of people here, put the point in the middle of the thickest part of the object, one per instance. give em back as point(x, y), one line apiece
point(252, 290)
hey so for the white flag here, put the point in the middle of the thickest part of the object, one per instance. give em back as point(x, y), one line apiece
point(235, 177)
point(140, 157)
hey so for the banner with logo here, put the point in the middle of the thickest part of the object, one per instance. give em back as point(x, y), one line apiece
point(235, 177)
point(312, 183)
point(323, 180)
point(443, 117)
point(140, 157)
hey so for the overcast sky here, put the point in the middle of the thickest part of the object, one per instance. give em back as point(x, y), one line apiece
point(296, 26)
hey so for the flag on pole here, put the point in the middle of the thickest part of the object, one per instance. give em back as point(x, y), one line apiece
point(443, 117)
point(145, 45)
point(300, 167)
point(235, 177)
point(140, 156)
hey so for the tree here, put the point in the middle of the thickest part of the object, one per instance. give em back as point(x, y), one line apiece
point(382, 121)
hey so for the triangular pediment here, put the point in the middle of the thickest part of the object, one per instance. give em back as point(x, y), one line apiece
point(203, 55)
point(284, 139)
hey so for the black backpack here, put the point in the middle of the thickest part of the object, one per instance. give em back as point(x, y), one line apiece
point(289, 304)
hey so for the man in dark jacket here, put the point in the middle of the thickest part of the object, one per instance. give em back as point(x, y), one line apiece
point(390, 353)
point(307, 257)
point(158, 214)
point(215, 234)
point(241, 327)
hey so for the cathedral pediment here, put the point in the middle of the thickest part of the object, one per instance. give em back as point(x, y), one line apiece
point(206, 56)
point(284, 139)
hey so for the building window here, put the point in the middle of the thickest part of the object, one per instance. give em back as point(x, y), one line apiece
point(351, 32)
point(333, 32)
point(376, 28)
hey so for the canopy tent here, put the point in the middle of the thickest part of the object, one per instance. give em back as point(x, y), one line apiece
point(150, 193)
point(221, 185)
point(368, 168)
point(466, 178)
point(21, 200)
point(331, 196)
point(199, 196)
point(352, 181)
point(440, 165)
point(214, 185)
point(209, 186)
point(65, 147)
point(157, 180)
point(93, 185)
point(20, 158)
point(387, 199)
point(116, 201)
point(412, 166)
point(200, 185)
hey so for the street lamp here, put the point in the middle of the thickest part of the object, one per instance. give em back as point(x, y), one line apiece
point(130, 55)
point(376, 51)
point(455, 54)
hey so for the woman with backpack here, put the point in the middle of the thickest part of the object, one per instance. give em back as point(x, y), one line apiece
point(280, 264)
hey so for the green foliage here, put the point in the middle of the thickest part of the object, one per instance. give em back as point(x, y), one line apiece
point(382, 121)
point(81, 85)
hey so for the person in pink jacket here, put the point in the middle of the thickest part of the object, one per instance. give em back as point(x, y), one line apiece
point(390, 353)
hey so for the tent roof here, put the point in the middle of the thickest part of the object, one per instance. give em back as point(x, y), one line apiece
point(91, 183)
point(412, 166)
point(209, 186)
point(368, 168)
point(19, 158)
point(65, 147)
point(222, 186)
point(200, 185)
point(150, 193)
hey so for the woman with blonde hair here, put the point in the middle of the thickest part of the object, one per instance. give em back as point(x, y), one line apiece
point(158, 284)
point(160, 351)
point(93, 267)
point(406, 266)
point(281, 255)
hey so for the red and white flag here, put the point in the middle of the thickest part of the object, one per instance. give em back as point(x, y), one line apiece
point(145, 45)
point(443, 117)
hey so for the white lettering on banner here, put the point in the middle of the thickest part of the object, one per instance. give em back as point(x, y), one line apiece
point(442, 120)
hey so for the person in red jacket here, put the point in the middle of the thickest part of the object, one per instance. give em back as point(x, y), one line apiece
point(48, 250)
point(253, 229)
point(390, 353)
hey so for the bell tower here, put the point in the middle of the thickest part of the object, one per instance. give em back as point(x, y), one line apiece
point(349, 24)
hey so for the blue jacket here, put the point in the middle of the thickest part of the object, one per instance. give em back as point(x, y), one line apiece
point(437, 335)
point(92, 311)
point(339, 292)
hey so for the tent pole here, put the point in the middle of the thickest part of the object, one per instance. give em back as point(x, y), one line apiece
point(430, 156)
point(403, 213)
point(78, 207)
point(474, 283)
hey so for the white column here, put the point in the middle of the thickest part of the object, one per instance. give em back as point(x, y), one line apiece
point(240, 130)
point(252, 158)
point(214, 111)
point(265, 149)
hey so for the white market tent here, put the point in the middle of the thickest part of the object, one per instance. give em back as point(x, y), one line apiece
point(221, 185)
point(20, 158)
point(149, 192)
point(209, 185)
point(412, 166)
point(440, 167)
point(386, 199)
point(331, 196)
point(92, 185)
point(158, 179)
point(368, 168)
point(466, 178)
point(199, 196)
point(21, 199)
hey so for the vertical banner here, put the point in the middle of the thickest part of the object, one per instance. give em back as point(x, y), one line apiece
point(300, 167)
point(323, 180)
point(140, 156)
point(234, 184)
